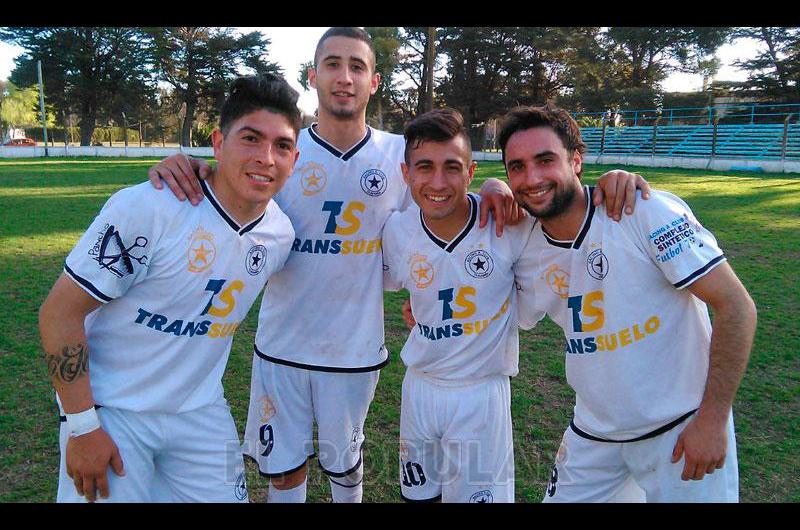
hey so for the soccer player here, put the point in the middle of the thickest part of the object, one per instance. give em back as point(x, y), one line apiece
point(456, 441)
point(138, 329)
point(320, 340)
point(654, 380)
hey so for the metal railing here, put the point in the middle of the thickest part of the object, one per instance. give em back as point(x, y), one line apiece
point(727, 113)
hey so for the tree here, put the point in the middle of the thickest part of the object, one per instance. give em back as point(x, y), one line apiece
point(84, 69)
point(386, 41)
point(20, 107)
point(643, 57)
point(775, 72)
point(200, 62)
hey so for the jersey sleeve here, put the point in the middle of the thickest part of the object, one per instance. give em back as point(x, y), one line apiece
point(675, 240)
point(528, 314)
point(115, 252)
point(392, 254)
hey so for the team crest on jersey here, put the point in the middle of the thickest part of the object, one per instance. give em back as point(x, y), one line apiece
point(354, 439)
point(240, 490)
point(479, 264)
point(313, 178)
point(558, 280)
point(482, 497)
point(113, 255)
point(373, 182)
point(597, 264)
point(551, 486)
point(202, 251)
point(421, 271)
point(256, 259)
point(266, 409)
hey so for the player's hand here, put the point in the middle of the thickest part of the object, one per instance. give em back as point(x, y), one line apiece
point(618, 189)
point(497, 197)
point(182, 174)
point(704, 445)
point(88, 458)
point(408, 316)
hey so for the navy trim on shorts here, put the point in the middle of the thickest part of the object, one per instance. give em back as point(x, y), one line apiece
point(651, 434)
point(417, 501)
point(63, 419)
point(332, 369)
point(344, 474)
point(347, 485)
point(699, 271)
point(274, 475)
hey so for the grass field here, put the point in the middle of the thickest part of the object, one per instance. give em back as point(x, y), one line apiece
point(46, 205)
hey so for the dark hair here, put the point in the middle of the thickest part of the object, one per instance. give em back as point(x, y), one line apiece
point(351, 33)
point(263, 92)
point(438, 125)
point(557, 119)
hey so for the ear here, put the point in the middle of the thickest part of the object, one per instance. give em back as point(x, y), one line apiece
point(376, 82)
point(471, 172)
point(312, 78)
point(577, 162)
point(296, 156)
point(217, 139)
point(404, 170)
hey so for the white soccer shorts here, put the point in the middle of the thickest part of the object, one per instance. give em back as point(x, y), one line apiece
point(456, 441)
point(284, 404)
point(190, 457)
point(591, 471)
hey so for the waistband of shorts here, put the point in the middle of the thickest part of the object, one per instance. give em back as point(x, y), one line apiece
point(315, 368)
point(652, 434)
point(455, 383)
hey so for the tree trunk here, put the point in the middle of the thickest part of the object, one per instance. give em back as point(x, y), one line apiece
point(88, 118)
point(188, 120)
point(430, 65)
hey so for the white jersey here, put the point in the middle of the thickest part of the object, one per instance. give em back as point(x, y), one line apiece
point(462, 295)
point(637, 342)
point(175, 281)
point(324, 310)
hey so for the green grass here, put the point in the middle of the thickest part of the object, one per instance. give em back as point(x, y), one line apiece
point(46, 205)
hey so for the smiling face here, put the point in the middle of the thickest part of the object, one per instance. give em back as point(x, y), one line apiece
point(438, 174)
point(541, 172)
point(254, 159)
point(344, 77)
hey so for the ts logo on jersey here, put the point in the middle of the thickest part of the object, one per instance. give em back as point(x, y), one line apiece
point(225, 297)
point(349, 224)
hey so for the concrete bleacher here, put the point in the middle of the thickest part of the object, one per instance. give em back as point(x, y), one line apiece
point(763, 141)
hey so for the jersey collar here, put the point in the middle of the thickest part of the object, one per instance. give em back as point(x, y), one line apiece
point(344, 156)
point(212, 199)
point(449, 246)
point(587, 223)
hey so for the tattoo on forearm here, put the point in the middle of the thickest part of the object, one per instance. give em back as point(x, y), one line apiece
point(71, 364)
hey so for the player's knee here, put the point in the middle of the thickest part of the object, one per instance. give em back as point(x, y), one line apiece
point(289, 480)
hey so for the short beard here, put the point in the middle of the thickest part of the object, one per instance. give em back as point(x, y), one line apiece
point(561, 202)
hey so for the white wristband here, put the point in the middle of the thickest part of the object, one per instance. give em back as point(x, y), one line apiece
point(82, 422)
